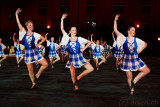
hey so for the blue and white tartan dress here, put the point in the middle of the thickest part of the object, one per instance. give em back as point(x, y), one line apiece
point(105, 51)
point(52, 52)
point(75, 55)
point(90, 49)
point(118, 52)
point(1, 52)
point(97, 53)
point(18, 51)
point(31, 53)
point(39, 49)
point(130, 60)
point(63, 50)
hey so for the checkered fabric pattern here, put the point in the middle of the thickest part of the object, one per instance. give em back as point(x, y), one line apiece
point(90, 49)
point(29, 39)
point(77, 59)
point(52, 54)
point(73, 46)
point(32, 56)
point(1, 53)
point(18, 54)
point(97, 55)
point(118, 54)
point(103, 52)
point(131, 63)
point(63, 51)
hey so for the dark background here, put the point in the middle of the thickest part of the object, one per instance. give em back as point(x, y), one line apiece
point(83, 14)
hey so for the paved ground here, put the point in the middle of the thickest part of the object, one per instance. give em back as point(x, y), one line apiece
point(105, 88)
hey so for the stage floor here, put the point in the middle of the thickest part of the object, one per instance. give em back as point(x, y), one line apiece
point(104, 88)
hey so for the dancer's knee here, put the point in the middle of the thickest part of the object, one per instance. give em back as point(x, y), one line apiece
point(147, 71)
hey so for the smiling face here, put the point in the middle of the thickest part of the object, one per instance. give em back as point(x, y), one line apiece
point(29, 25)
point(52, 39)
point(131, 31)
point(73, 31)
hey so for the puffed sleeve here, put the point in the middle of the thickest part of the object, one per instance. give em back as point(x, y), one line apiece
point(120, 39)
point(56, 45)
point(140, 44)
point(48, 42)
point(21, 46)
point(93, 46)
point(64, 39)
point(82, 41)
point(101, 47)
point(114, 44)
point(3, 46)
point(21, 34)
point(15, 44)
point(37, 37)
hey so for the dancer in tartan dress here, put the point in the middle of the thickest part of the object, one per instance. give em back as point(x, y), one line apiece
point(132, 46)
point(76, 59)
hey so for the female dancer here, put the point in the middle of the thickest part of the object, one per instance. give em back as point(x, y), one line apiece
point(2, 48)
point(98, 49)
point(19, 47)
point(53, 47)
point(118, 51)
point(30, 38)
point(76, 59)
point(132, 46)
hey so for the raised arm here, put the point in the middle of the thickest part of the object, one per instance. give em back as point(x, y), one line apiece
point(59, 39)
point(46, 36)
point(17, 19)
point(91, 38)
point(14, 37)
point(62, 23)
point(115, 25)
point(113, 36)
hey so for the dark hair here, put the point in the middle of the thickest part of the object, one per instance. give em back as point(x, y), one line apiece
point(70, 28)
point(130, 27)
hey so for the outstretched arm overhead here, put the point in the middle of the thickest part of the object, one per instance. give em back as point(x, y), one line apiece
point(113, 36)
point(14, 37)
point(17, 19)
point(91, 38)
point(115, 25)
point(59, 39)
point(46, 36)
point(62, 23)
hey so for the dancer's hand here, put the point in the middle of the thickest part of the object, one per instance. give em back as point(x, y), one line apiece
point(18, 11)
point(37, 45)
point(14, 34)
point(64, 16)
point(82, 49)
point(117, 16)
point(47, 34)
